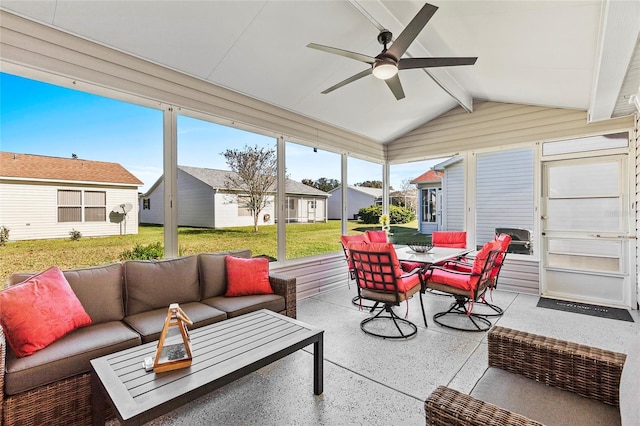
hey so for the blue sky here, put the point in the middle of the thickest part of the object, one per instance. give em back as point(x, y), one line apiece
point(40, 118)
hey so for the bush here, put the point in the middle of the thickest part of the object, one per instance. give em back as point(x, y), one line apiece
point(141, 252)
point(75, 235)
point(4, 235)
point(397, 215)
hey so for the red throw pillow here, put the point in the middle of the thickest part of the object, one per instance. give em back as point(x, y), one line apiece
point(247, 276)
point(39, 311)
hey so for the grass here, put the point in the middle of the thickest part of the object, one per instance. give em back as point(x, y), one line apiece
point(302, 240)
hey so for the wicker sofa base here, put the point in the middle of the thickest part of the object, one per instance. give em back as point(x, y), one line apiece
point(583, 370)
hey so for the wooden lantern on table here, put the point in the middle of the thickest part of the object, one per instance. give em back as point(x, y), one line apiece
point(174, 346)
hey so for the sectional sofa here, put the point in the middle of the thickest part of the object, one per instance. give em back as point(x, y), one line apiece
point(127, 303)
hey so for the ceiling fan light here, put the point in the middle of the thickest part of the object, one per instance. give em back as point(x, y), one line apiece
point(384, 71)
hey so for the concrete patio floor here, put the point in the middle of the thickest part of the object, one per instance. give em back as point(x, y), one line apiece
point(373, 381)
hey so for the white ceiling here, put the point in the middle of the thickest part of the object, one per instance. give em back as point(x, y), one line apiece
point(545, 53)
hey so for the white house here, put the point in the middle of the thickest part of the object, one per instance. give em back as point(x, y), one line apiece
point(47, 197)
point(205, 201)
point(357, 197)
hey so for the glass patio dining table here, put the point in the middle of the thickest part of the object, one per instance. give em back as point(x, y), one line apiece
point(433, 255)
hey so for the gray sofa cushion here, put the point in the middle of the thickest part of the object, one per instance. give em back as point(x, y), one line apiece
point(542, 403)
point(630, 387)
point(99, 289)
point(239, 305)
point(68, 356)
point(213, 274)
point(153, 284)
point(149, 324)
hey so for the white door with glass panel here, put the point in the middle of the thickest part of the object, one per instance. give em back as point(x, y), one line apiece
point(586, 231)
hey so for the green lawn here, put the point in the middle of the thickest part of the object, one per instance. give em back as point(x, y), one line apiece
point(302, 240)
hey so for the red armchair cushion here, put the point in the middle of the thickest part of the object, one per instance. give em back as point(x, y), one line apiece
point(380, 248)
point(247, 276)
point(345, 240)
point(453, 239)
point(39, 311)
point(408, 266)
point(376, 236)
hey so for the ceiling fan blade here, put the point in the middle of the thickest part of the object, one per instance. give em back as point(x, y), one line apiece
point(412, 30)
point(352, 55)
point(410, 63)
point(394, 84)
point(348, 80)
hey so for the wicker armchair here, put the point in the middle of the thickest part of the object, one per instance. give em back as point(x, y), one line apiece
point(586, 371)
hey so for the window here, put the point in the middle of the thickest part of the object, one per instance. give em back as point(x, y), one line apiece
point(243, 206)
point(429, 205)
point(69, 206)
point(146, 204)
point(95, 206)
point(311, 204)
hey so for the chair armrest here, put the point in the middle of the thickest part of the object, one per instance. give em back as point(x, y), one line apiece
point(587, 371)
point(446, 406)
point(286, 287)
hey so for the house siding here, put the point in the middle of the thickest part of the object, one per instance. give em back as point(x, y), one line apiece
point(30, 211)
point(154, 215)
point(226, 211)
point(504, 191)
point(453, 198)
point(355, 201)
point(195, 202)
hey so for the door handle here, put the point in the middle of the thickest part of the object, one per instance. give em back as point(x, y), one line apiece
point(626, 237)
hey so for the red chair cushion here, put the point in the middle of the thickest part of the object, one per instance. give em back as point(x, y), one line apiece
point(504, 240)
point(376, 236)
point(471, 276)
point(39, 311)
point(462, 281)
point(481, 258)
point(380, 248)
point(408, 266)
point(345, 240)
point(453, 239)
point(247, 276)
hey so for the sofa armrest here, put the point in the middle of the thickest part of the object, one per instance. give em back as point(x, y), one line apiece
point(446, 406)
point(587, 371)
point(285, 287)
point(3, 356)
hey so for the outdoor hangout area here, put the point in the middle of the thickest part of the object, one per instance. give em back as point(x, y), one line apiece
point(319, 213)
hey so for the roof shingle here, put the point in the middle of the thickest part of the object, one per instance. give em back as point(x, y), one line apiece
point(31, 166)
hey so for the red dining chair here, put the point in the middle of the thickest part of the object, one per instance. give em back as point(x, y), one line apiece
point(466, 286)
point(345, 240)
point(381, 237)
point(453, 239)
point(504, 240)
point(381, 279)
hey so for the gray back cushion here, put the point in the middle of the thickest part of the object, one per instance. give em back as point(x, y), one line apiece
point(153, 284)
point(99, 289)
point(213, 274)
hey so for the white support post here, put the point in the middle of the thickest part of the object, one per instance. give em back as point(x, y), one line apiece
point(170, 164)
point(344, 160)
point(386, 176)
point(281, 198)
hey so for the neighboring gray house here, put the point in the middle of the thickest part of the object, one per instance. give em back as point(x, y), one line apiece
point(45, 197)
point(357, 198)
point(429, 215)
point(204, 201)
point(504, 192)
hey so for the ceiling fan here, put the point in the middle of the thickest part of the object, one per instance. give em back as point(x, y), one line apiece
point(385, 66)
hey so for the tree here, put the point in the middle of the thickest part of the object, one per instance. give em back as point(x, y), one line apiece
point(370, 184)
point(323, 184)
point(256, 171)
